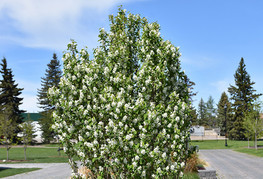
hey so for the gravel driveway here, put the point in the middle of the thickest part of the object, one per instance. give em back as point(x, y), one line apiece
point(48, 171)
point(230, 164)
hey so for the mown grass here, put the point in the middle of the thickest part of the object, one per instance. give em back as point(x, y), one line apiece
point(5, 172)
point(191, 176)
point(34, 155)
point(239, 146)
point(258, 152)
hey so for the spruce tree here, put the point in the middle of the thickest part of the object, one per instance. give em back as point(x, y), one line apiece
point(9, 97)
point(211, 112)
point(223, 115)
point(202, 114)
point(242, 95)
point(193, 116)
point(52, 78)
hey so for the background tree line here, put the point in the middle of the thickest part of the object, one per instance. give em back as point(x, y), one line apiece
point(242, 109)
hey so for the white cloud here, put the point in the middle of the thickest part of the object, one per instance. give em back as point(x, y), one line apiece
point(29, 87)
point(200, 62)
point(51, 23)
point(221, 86)
point(29, 103)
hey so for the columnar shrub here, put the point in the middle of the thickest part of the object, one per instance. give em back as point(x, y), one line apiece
point(124, 113)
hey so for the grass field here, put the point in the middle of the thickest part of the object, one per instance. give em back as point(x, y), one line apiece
point(5, 172)
point(34, 155)
point(239, 146)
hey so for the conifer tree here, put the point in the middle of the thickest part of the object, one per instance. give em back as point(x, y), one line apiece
point(52, 78)
point(211, 112)
point(193, 116)
point(242, 95)
point(9, 97)
point(202, 117)
point(221, 118)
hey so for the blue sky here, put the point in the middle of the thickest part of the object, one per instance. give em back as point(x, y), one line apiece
point(212, 35)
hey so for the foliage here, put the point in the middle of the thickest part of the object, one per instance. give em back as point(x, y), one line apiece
point(7, 129)
point(253, 122)
point(124, 113)
point(202, 113)
point(9, 97)
point(52, 78)
point(242, 95)
point(27, 133)
point(223, 115)
point(48, 134)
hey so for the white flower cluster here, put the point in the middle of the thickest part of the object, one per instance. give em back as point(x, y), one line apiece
point(128, 107)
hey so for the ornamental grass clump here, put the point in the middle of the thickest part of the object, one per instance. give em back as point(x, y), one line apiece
point(124, 113)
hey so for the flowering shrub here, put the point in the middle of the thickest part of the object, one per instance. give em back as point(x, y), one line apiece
point(124, 113)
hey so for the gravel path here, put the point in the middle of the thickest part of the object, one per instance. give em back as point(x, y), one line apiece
point(48, 171)
point(233, 165)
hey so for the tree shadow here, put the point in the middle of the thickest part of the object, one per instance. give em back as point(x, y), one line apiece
point(4, 168)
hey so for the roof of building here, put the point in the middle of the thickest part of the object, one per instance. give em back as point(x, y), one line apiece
point(31, 116)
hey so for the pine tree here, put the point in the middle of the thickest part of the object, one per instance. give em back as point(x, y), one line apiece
point(193, 116)
point(202, 113)
point(9, 97)
point(223, 115)
point(211, 112)
point(242, 95)
point(52, 78)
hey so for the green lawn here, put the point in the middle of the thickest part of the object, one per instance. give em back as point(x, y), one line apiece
point(239, 146)
point(34, 155)
point(5, 172)
point(191, 176)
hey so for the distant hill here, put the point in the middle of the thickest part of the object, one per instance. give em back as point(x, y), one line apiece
point(31, 116)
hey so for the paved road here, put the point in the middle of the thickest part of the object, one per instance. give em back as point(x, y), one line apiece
point(233, 165)
point(48, 171)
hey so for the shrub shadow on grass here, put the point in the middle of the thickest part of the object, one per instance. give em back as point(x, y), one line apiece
point(4, 168)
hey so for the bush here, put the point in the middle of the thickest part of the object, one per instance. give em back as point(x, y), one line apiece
point(125, 112)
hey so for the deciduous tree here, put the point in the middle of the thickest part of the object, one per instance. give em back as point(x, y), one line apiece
point(253, 122)
point(28, 131)
point(125, 112)
point(8, 129)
